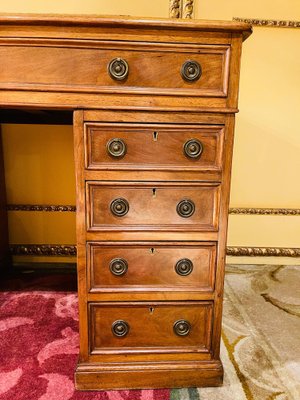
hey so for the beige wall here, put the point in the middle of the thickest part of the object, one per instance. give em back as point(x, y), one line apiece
point(143, 8)
point(266, 162)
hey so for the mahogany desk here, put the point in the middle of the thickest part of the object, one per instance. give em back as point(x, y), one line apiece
point(153, 105)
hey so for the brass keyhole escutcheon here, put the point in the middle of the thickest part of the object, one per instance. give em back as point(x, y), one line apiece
point(155, 136)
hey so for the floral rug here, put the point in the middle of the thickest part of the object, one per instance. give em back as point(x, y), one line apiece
point(260, 347)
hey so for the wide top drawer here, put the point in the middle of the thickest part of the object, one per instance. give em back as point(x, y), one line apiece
point(95, 67)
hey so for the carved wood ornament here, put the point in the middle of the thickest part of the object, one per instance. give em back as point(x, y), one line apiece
point(263, 251)
point(232, 211)
point(41, 207)
point(43, 250)
point(271, 23)
point(175, 9)
point(181, 9)
point(188, 9)
point(265, 211)
point(70, 250)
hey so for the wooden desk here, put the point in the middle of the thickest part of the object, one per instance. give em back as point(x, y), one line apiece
point(154, 103)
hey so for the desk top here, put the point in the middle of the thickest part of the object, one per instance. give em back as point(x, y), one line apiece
point(125, 22)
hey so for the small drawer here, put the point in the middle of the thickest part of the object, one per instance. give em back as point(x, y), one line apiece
point(152, 206)
point(136, 68)
point(150, 327)
point(119, 146)
point(151, 266)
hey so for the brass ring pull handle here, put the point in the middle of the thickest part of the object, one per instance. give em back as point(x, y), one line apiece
point(191, 71)
point(184, 267)
point(119, 207)
point(120, 328)
point(193, 148)
point(118, 69)
point(118, 266)
point(116, 147)
point(182, 327)
point(185, 208)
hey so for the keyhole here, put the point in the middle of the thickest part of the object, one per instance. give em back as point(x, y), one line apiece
point(151, 309)
point(154, 192)
point(155, 135)
point(152, 250)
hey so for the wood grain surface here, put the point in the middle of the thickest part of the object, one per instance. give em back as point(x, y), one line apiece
point(151, 266)
point(153, 147)
point(60, 63)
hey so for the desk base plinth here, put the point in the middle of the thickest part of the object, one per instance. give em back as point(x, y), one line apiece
point(148, 375)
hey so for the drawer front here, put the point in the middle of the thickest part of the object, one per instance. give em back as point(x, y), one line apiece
point(128, 147)
point(151, 266)
point(150, 327)
point(108, 66)
point(152, 206)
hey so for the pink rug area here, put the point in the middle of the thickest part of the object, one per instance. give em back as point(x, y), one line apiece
point(39, 347)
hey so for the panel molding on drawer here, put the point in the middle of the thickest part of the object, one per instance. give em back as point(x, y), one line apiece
point(153, 147)
point(152, 206)
point(150, 327)
point(154, 68)
point(151, 266)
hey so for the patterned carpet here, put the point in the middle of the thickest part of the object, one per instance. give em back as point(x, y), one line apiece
point(260, 348)
point(261, 336)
